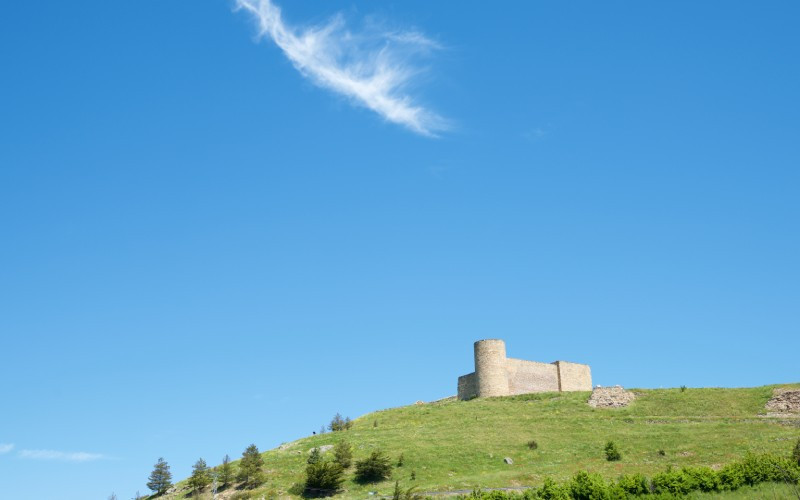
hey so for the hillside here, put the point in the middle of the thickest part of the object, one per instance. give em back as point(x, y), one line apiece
point(455, 445)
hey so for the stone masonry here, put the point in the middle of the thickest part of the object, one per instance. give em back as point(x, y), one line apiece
point(498, 375)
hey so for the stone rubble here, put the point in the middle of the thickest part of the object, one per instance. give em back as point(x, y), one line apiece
point(610, 397)
point(784, 401)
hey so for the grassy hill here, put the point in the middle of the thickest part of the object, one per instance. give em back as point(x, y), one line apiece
point(460, 445)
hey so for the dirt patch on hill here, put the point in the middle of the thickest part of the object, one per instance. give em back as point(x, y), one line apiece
point(610, 397)
point(784, 401)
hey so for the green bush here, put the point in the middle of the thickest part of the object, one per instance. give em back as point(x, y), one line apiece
point(731, 476)
point(314, 457)
point(612, 452)
point(376, 467)
point(550, 490)
point(796, 453)
point(409, 494)
point(323, 478)
point(674, 481)
point(705, 479)
point(635, 484)
point(586, 486)
point(766, 467)
point(532, 444)
point(343, 454)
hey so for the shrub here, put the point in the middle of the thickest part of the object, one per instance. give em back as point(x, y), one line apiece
point(636, 484)
point(551, 490)
point(409, 494)
point(766, 467)
point(612, 452)
point(323, 478)
point(343, 454)
point(731, 476)
point(676, 482)
point(400, 460)
point(585, 486)
point(374, 468)
point(413, 475)
point(683, 388)
point(314, 457)
point(662, 453)
point(796, 453)
point(704, 478)
point(532, 444)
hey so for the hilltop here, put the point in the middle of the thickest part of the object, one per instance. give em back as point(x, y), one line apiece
point(461, 445)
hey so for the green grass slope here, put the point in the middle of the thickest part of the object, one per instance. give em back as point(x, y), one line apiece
point(460, 445)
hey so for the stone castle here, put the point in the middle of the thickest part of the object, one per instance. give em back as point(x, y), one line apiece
point(497, 375)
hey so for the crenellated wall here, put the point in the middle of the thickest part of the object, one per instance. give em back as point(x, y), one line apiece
point(497, 375)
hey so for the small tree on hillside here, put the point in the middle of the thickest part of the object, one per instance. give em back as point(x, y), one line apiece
point(160, 479)
point(201, 476)
point(343, 454)
point(376, 467)
point(250, 472)
point(226, 471)
point(340, 424)
point(323, 478)
point(314, 457)
point(612, 452)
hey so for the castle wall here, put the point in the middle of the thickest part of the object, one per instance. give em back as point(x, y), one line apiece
point(467, 386)
point(490, 368)
point(530, 376)
point(574, 376)
point(497, 375)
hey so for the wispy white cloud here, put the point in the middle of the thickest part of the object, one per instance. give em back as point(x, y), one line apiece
point(66, 456)
point(5, 448)
point(373, 68)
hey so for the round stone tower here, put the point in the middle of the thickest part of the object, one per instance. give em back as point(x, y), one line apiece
point(490, 368)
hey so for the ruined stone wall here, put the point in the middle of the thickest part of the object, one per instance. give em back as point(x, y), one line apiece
point(530, 376)
point(467, 389)
point(574, 376)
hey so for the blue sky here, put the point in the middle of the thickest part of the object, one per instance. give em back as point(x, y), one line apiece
point(221, 226)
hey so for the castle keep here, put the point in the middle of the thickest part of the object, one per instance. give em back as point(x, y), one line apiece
point(497, 375)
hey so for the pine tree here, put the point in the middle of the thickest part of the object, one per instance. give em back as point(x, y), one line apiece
point(337, 423)
point(323, 478)
point(376, 467)
point(314, 457)
point(160, 479)
point(250, 472)
point(226, 471)
point(343, 454)
point(201, 476)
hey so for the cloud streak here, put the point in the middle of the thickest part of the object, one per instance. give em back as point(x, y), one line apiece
point(372, 68)
point(64, 456)
point(5, 448)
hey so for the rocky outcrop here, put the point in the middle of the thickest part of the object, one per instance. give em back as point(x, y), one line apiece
point(610, 397)
point(784, 401)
